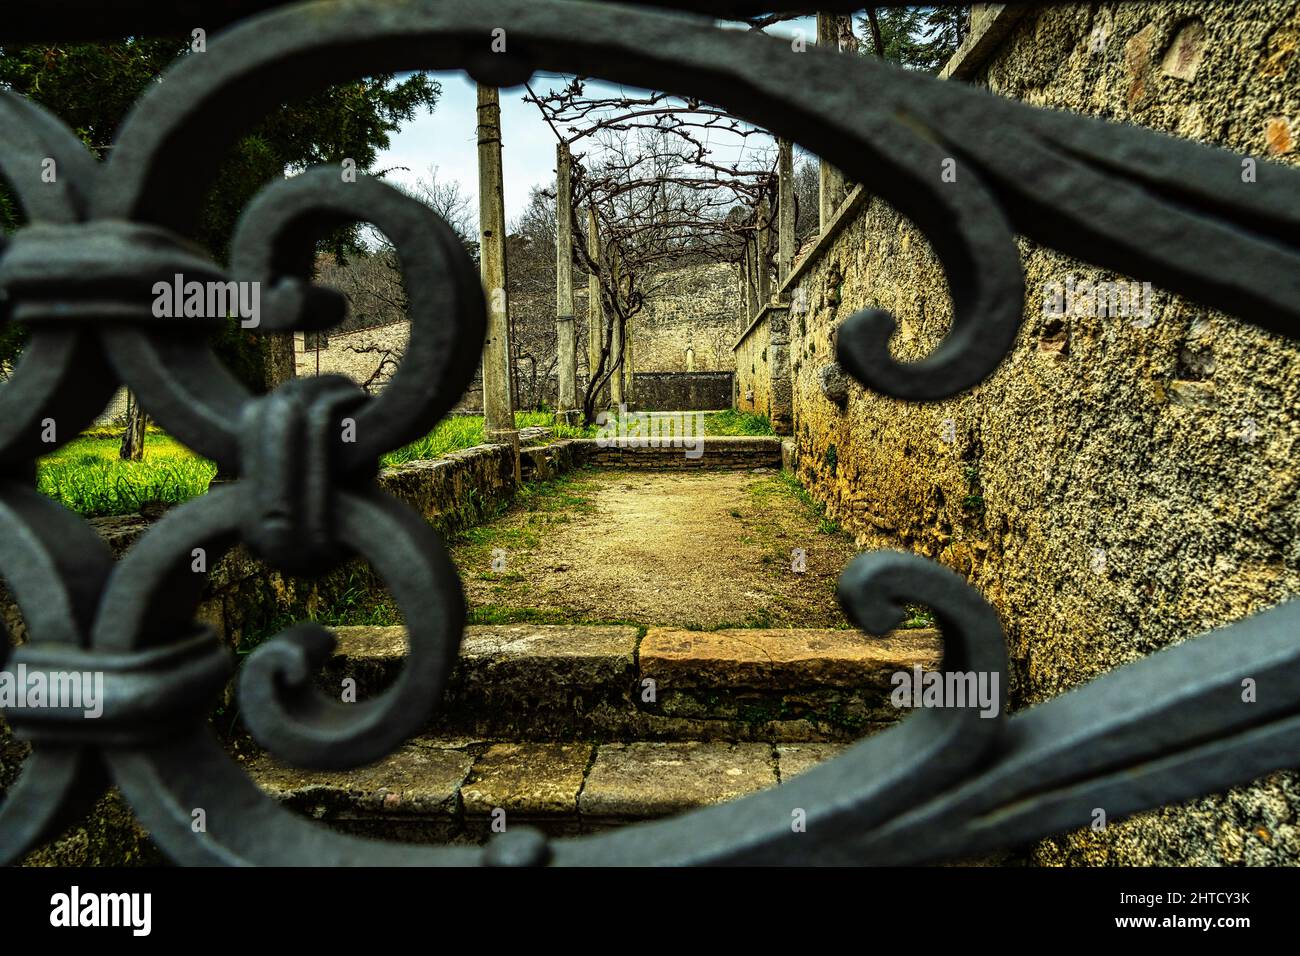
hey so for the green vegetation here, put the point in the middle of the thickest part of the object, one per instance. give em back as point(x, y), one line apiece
point(732, 422)
point(466, 431)
point(88, 477)
point(542, 504)
point(92, 86)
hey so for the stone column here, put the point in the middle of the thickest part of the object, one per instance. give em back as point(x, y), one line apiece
point(566, 335)
point(763, 283)
point(785, 210)
point(498, 403)
point(781, 381)
point(629, 367)
point(837, 31)
point(751, 298)
point(595, 307)
point(616, 394)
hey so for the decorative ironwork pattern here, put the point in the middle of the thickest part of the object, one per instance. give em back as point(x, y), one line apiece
point(945, 783)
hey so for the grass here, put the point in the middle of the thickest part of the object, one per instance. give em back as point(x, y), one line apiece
point(466, 431)
point(732, 422)
point(88, 477)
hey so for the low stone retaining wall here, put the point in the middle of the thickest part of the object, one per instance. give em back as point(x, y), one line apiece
point(712, 452)
point(244, 598)
point(681, 391)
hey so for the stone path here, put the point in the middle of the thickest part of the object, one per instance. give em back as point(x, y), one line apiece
point(643, 646)
point(690, 549)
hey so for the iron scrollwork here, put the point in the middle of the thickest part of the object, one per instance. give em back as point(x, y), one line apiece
point(942, 784)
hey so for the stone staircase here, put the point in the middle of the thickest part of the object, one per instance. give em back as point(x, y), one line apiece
point(573, 729)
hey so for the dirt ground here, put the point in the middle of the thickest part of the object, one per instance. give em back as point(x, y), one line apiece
point(689, 549)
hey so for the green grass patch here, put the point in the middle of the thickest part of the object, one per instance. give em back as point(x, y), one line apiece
point(733, 422)
point(465, 431)
point(88, 477)
point(786, 485)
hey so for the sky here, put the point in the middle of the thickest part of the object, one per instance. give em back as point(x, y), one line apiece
point(445, 138)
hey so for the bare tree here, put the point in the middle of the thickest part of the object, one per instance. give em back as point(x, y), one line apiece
point(663, 196)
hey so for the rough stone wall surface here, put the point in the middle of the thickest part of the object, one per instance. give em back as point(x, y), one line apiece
point(688, 324)
point(1120, 483)
point(754, 370)
point(694, 309)
point(682, 391)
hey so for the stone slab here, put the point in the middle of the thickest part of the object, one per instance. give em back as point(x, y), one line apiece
point(527, 779)
point(642, 780)
point(794, 759)
point(422, 778)
point(782, 659)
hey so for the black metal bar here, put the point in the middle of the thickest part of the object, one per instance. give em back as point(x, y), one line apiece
point(944, 783)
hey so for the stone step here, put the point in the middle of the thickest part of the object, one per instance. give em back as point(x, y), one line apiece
point(447, 790)
point(572, 682)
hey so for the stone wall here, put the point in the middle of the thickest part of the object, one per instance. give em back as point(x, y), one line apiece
point(681, 391)
point(763, 368)
point(243, 598)
point(689, 322)
point(1119, 483)
point(688, 325)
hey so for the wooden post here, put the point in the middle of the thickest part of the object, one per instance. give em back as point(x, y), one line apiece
point(595, 307)
point(566, 334)
point(498, 404)
point(785, 210)
point(763, 278)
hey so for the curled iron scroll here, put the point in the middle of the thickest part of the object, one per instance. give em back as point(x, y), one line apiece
point(1015, 166)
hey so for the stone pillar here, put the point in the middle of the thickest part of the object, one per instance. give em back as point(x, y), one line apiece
point(279, 361)
point(781, 384)
point(595, 308)
point(566, 334)
point(785, 210)
point(837, 31)
point(751, 298)
point(617, 396)
point(498, 402)
point(629, 367)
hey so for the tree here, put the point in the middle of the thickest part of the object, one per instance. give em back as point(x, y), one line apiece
point(663, 195)
point(91, 86)
point(919, 38)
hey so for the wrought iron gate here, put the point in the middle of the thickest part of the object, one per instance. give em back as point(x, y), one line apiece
point(944, 783)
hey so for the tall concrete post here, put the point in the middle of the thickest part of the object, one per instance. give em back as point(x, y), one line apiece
point(566, 335)
point(629, 367)
point(617, 396)
point(498, 402)
point(835, 31)
point(751, 290)
point(595, 307)
point(785, 210)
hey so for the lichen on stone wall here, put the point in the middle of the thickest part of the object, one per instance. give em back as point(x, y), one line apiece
point(1122, 481)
